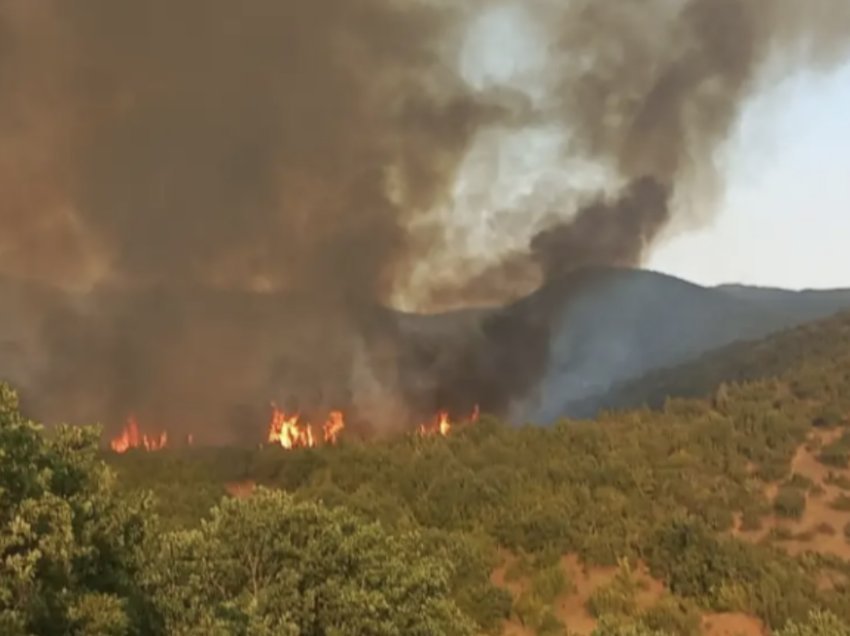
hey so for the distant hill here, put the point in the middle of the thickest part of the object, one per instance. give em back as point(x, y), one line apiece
point(612, 326)
point(769, 357)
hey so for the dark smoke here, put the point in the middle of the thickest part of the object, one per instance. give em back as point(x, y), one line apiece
point(220, 195)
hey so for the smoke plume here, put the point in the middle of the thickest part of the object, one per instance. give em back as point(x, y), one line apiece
point(221, 196)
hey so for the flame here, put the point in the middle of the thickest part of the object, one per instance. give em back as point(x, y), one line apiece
point(442, 424)
point(131, 438)
point(286, 431)
point(333, 427)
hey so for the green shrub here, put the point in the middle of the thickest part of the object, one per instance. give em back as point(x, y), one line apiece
point(529, 610)
point(550, 625)
point(834, 455)
point(839, 480)
point(487, 605)
point(790, 502)
point(751, 521)
point(549, 583)
point(617, 597)
point(841, 503)
point(781, 533)
point(673, 616)
point(799, 481)
point(520, 568)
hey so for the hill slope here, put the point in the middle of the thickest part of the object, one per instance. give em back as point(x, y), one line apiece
point(621, 324)
point(774, 355)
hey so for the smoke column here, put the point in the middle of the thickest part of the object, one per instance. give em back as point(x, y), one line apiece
point(217, 197)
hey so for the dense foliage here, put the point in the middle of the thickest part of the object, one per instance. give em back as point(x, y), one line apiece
point(403, 536)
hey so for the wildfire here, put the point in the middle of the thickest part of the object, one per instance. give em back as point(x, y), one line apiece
point(442, 424)
point(285, 430)
point(131, 438)
point(333, 427)
point(289, 432)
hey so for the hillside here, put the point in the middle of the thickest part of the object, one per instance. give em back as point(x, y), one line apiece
point(772, 356)
point(609, 326)
point(717, 516)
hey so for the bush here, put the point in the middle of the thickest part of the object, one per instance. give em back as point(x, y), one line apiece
point(549, 583)
point(550, 625)
point(781, 533)
point(617, 597)
point(529, 610)
point(839, 480)
point(790, 502)
point(751, 521)
point(825, 529)
point(841, 503)
point(673, 616)
point(835, 454)
point(799, 481)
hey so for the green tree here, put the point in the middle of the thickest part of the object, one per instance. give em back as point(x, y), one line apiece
point(71, 549)
point(270, 565)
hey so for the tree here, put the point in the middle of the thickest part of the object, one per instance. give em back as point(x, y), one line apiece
point(70, 547)
point(269, 565)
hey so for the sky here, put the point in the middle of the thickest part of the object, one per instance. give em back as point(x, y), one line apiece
point(785, 218)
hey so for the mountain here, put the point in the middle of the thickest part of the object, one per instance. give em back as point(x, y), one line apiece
point(772, 356)
point(610, 326)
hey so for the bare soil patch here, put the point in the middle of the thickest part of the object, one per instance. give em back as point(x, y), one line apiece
point(240, 488)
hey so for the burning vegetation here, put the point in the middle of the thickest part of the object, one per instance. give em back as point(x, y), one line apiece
point(288, 431)
point(131, 438)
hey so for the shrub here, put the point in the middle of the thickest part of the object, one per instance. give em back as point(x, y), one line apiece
point(550, 625)
point(841, 503)
point(750, 521)
point(799, 481)
point(529, 610)
point(790, 502)
point(817, 490)
point(549, 583)
point(673, 616)
point(825, 528)
point(617, 597)
point(781, 533)
point(834, 454)
point(839, 480)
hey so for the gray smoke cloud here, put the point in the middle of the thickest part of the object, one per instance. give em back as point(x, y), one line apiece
point(222, 194)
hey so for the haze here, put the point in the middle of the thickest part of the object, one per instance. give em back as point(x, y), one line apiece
point(785, 220)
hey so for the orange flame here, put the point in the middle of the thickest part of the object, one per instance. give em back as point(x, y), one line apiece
point(286, 431)
point(333, 427)
point(131, 438)
point(442, 424)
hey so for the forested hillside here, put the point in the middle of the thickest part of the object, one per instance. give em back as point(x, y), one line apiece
point(718, 515)
point(796, 351)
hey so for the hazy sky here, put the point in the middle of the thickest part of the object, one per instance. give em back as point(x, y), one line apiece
point(785, 219)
